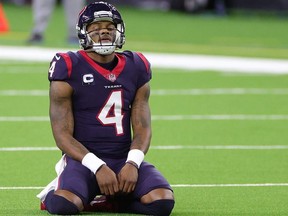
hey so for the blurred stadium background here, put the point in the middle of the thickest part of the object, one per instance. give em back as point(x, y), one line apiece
point(191, 6)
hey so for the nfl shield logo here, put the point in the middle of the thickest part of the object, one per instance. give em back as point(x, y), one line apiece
point(112, 77)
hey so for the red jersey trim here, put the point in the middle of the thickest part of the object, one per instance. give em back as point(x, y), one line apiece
point(106, 73)
point(147, 64)
point(68, 63)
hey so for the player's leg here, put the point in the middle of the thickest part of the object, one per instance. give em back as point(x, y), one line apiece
point(152, 196)
point(42, 11)
point(157, 208)
point(72, 9)
point(77, 187)
point(57, 204)
point(153, 193)
point(161, 203)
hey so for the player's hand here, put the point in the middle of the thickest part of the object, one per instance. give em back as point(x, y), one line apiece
point(107, 181)
point(127, 178)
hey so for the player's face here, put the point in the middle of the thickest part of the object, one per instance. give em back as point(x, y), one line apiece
point(102, 32)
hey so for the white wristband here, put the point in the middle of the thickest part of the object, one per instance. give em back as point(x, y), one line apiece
point(92, 162)
point(135, 155)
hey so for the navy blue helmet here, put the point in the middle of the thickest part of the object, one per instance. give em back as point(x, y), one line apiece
point(95, 12)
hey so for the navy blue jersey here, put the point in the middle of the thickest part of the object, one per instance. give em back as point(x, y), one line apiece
point(101, 98)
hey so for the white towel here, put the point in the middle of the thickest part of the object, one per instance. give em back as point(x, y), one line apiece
point(59, 167)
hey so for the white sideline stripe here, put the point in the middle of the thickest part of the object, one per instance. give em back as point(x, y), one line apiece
point(165, 60)
point(216, 147)
point(218, 63)
point(240, 117)
point(179, 186)
point(161, 92)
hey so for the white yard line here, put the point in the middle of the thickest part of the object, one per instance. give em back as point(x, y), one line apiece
point(24, 118)
point(237, 117)
point(17, 149)
point(172, 147)
point(14, 92)
point(21, 188)
point(220, 91)
point(222, 147)
point(161, 60)
point(231, 185)
point(169, 92)
point(218, 117)
point(175, 186)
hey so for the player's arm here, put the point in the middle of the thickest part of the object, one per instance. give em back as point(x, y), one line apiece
point(62, 122)
point(141, 120)
point(141, 126)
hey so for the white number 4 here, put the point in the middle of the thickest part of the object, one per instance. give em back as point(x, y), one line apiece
point(52, 68)
point(111, 113)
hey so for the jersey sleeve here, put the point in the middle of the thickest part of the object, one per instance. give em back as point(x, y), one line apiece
point(144, 67)
point(60, 67)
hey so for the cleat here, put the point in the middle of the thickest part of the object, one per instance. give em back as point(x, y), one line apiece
point(101, 204)
point(42, 206)
point(35, 39)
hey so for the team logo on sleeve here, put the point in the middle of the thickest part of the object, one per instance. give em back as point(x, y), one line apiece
point(57, 57)
point(88, 79)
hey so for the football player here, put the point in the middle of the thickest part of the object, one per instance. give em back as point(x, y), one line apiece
point(101, 121)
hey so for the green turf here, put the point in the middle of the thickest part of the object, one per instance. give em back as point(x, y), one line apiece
point(170, 32)
point(225, 201)
point(181, 166)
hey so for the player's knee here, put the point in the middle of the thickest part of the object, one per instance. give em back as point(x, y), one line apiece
point(59, 205)
point(161, 207)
